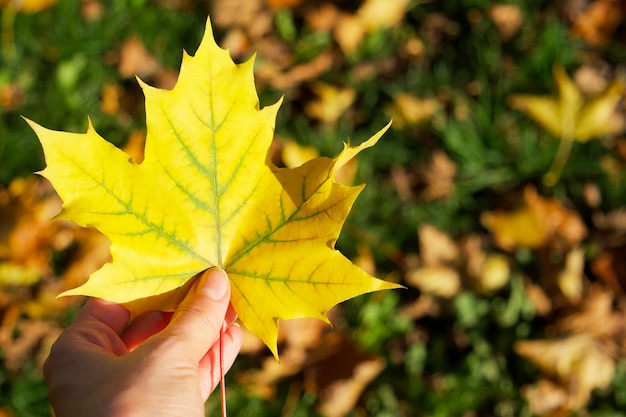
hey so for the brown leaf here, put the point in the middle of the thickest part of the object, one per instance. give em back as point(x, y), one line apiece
point(29, 6)
point(597, 316)
point(29, 334)
point(598, 23)
point(508, 19)
point(279, 4)
point(340, 398)
point(546, 398)
point(135, 60)
point(438, 177)
point(436, 247)
point(441, 281)
point(538, 297)
point(580, 363)
point(270, 73)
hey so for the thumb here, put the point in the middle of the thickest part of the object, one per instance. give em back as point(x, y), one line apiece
point(198, 320)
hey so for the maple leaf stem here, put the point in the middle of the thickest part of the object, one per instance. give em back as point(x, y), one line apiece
point(559, 161)
point(222, 384)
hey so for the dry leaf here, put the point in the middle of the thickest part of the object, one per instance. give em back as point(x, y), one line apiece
point(28, 6)
point(441, 281)
point(508, 19)
point(110, 98)
point(135, 60)
point(438, 177)
point(597, 317)
point(340, 398)
point(279, 4)
point(436, 247)
point(382, 14)
point(537, 222)
point(410, 110)
point(546, 398)
point(331, 104)
point(598, 23)
point(580, 363)
point(570, 279)
point(349, 33)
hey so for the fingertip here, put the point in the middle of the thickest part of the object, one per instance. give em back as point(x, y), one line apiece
point(213, 284)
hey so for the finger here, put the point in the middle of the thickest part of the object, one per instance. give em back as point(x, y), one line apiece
point(143, 327)
point(110, 314)
point(209, 366)
point(198, 320)
point(231, 315)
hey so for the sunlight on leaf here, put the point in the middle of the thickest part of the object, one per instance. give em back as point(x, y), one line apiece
point(206, 195)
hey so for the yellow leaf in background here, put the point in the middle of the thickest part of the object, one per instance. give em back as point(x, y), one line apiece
point(377, 14)
point(410, 110)
point(569, 115)
point(28, 6)
point(293, 154)
point(332, 102)
point(535, 223)
point(206, 195)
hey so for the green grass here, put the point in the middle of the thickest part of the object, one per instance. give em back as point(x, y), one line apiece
point(458, 363)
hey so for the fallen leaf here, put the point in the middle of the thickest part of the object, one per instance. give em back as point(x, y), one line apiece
point(206, 195)
point(110, 101)
point(508, 19)
point(28, 6)
point(570, 279)
point(569, 114)
point(598, 22)
point(323, 18)
point(441, 281)
point(349, 32)
point(580, 363)
point(279, 4)
point(438, 177)
point(340, 398)
point(377, 14)
point(597, 316)
point(293, 154)
point(546, 398)
point(271, 74)
point(494, 274)
point(535, 223)
point(11, 97)
point(135, 60)
point(410, 110)
point(135, 145)
point(436, 247)
point(331, 104)
point(91, 10)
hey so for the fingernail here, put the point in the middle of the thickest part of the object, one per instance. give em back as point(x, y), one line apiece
point(213, 284)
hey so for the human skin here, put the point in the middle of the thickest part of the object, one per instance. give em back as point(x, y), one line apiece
point(162, 364)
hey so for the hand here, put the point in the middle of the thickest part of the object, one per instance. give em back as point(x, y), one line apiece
point(163, 364)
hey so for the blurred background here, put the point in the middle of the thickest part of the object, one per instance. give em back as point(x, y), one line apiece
point(498, 198)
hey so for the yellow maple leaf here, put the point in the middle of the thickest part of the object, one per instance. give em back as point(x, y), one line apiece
point(570, 116)
point(207, 195)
